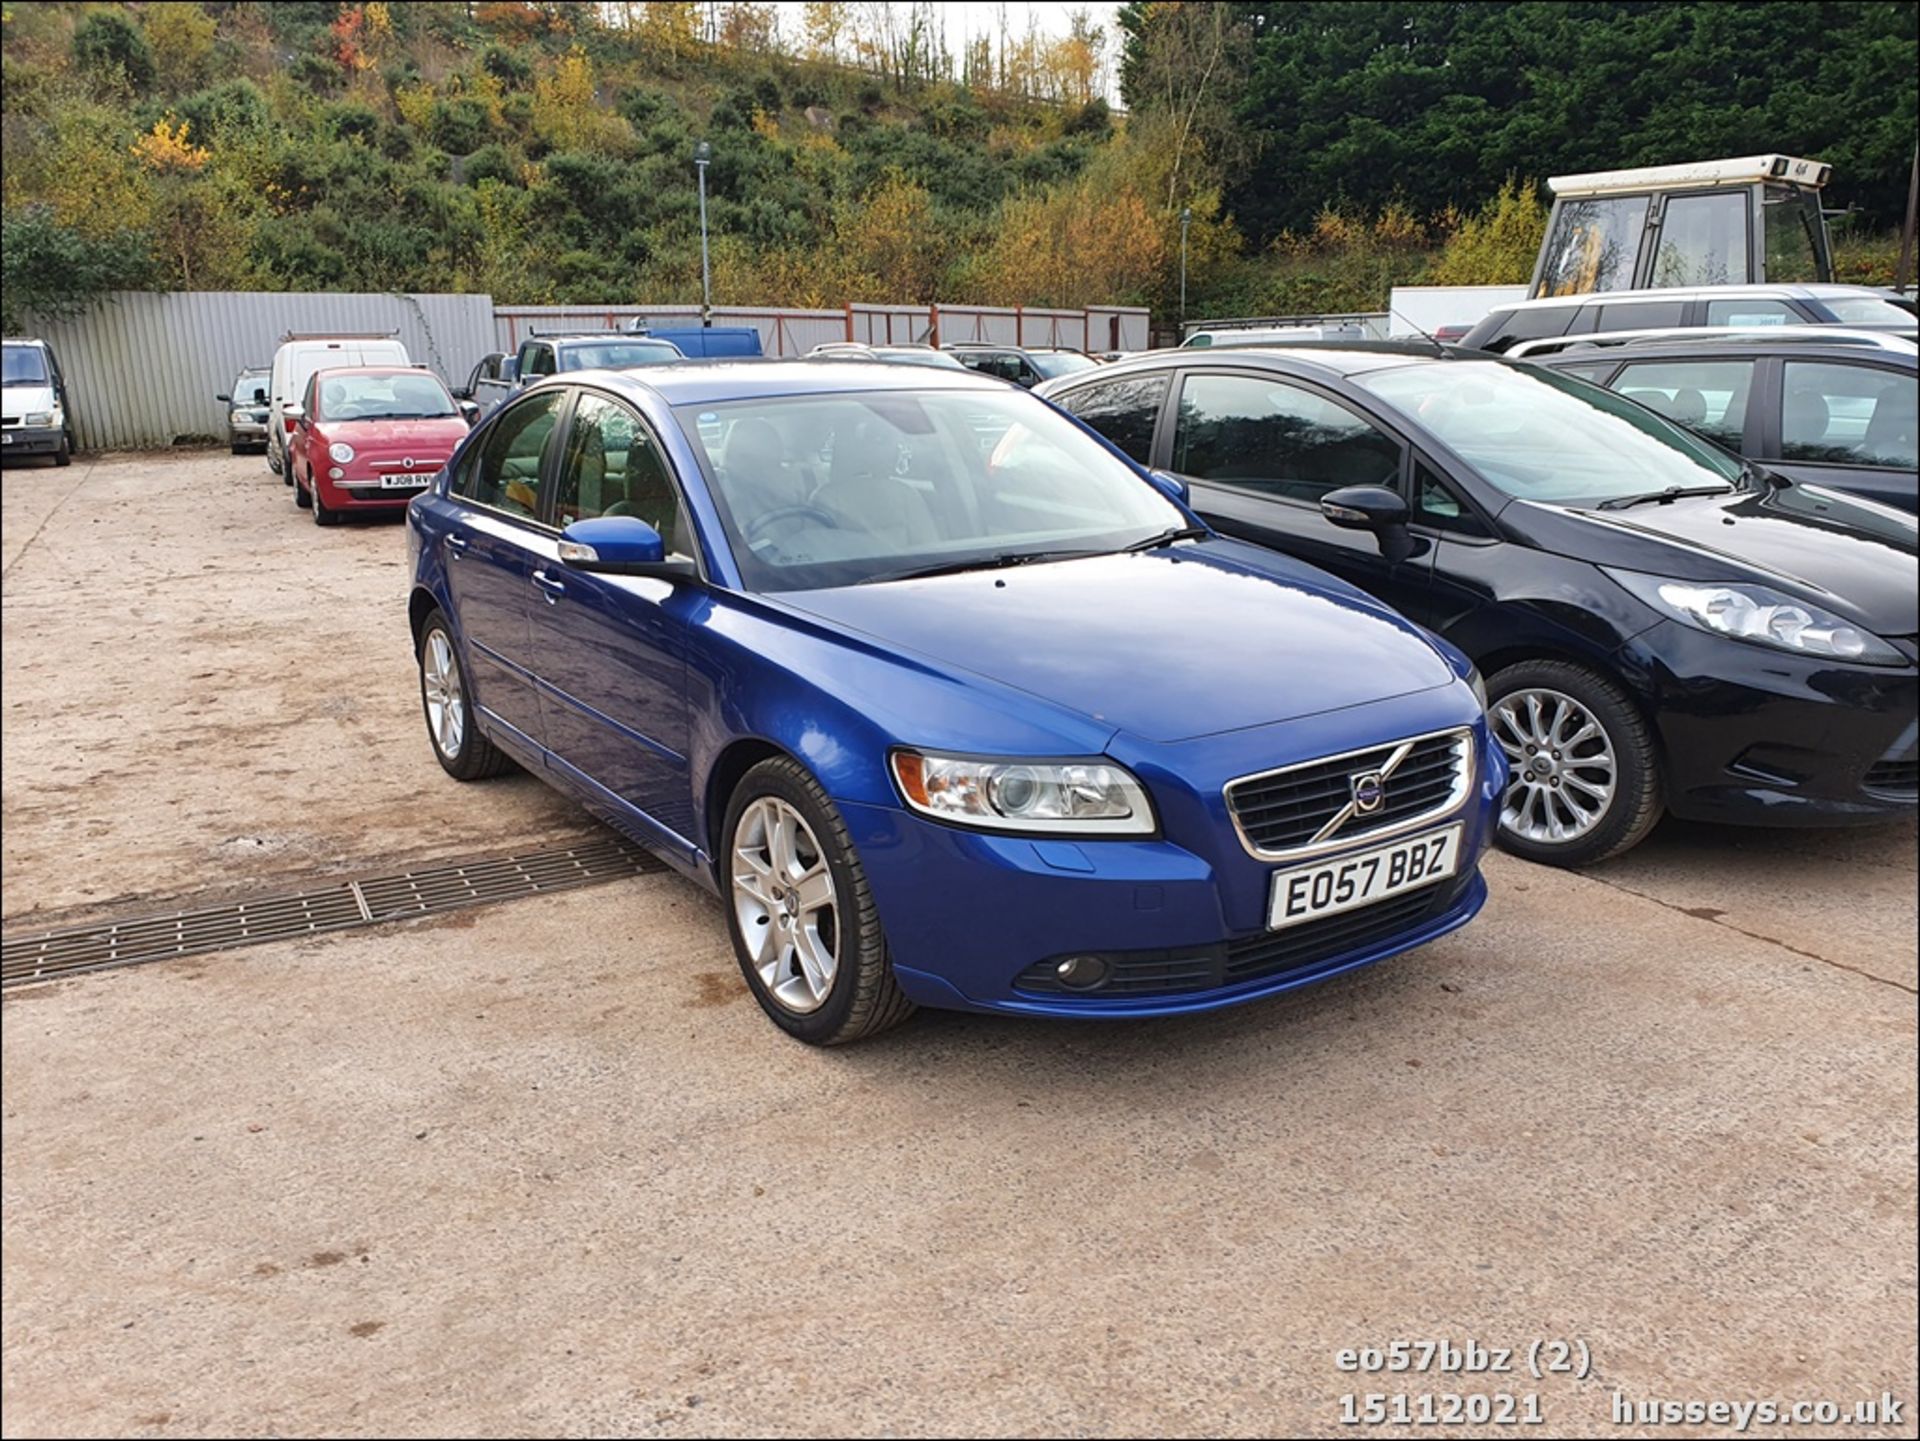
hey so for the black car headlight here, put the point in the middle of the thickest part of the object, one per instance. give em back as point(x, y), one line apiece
point(1759, 615)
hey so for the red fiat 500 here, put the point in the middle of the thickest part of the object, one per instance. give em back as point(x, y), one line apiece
point(370, 438)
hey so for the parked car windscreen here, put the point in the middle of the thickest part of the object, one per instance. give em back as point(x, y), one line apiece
point(25, 365)
point(1541, 435)
point(1051, 363)
point(833, 490)
point(413, 395)
point(619, 354)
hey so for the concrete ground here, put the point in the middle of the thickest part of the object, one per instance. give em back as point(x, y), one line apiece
point(543, 1167)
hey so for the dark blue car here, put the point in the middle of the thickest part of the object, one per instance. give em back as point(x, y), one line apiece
point(947, 700)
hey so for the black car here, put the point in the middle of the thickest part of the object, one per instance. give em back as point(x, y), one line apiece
point(1025, 367)
point(1821, 404)
point(1660, 626)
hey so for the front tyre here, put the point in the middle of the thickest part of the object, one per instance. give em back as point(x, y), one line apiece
point(803, 921)
point(1586, 780)
point(462, 751)
point(321, 515)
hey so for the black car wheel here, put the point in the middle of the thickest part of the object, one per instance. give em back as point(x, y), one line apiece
point(64, 455)
point(300, 497)
point(462, 751)
point(1586, 774)
point(804, 925)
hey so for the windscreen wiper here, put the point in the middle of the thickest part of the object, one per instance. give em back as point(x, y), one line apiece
point(1661, 497)
point(988, 562)
point(1168, 537)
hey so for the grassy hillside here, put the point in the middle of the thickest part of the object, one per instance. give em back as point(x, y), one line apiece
point(543, 153)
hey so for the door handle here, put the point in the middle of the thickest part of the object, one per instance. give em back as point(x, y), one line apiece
point(550, 587)
point(456, 547)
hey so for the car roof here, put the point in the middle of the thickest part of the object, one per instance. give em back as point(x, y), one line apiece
point(1794, 339)
point(1351, 358)
point(23, 340)
point(714, 382)
point(1771, 290)
point(376, 370)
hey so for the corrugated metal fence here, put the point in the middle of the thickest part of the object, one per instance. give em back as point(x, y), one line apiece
point(795, 332)
point(143, 369)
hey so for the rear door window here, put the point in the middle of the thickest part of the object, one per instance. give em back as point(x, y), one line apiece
point(1745, 313)
point(1643, 315)
point(1262, 434)
point(1124, 411)
point(1707, 396)
point(1848, 415)
point(505, 473)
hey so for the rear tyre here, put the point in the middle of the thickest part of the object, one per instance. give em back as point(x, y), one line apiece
point(1586, 782)
point(462, 751)
point(804, 924)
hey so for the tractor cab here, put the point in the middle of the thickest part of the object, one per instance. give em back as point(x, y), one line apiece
point(1713, 222)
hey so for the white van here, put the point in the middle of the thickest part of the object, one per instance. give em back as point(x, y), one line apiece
point(293, 366)
point(1228, 335)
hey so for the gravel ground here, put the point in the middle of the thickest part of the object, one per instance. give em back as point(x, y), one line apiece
point(543, 1167)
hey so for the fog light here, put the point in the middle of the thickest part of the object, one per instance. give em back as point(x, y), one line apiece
point(335, 473)
point(1081, 973)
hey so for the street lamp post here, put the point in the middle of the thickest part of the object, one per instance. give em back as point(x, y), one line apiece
point(703, 153)
point(1186, 219)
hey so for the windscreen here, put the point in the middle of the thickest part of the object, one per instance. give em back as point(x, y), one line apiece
point(25, 365)
point(619, 355)
point(839, 489)
point(1537, 434)
point(407, 395)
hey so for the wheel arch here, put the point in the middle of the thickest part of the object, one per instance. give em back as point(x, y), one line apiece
point(729, 768)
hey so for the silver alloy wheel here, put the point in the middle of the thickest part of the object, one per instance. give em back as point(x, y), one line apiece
point(783, 898)
point(446, 703)
point(1564, 772)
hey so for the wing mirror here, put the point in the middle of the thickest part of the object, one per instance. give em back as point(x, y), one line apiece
point(259, 395)
point(468, 409)
point(227, 398)
point(619, 545)
point(1171, 486)
point(1374, 508)
point(295, 414)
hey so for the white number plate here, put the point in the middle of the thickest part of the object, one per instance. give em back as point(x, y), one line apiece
point(406, 480)
point(1306, 893)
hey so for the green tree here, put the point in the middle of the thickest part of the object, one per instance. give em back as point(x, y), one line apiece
point(108, 47)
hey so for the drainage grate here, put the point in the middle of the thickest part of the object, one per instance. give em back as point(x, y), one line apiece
point(337, 906)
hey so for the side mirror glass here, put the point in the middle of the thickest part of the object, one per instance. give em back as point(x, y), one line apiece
point(1171, 486)
point(469, 409)
point(618, 545)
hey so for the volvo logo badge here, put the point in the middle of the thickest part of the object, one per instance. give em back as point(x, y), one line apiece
point(1369, 792)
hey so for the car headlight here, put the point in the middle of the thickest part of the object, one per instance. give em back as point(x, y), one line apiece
point(340, 451)
point(1090, 797)
point(1760, 615)
point(39, 417)
point(240, 417)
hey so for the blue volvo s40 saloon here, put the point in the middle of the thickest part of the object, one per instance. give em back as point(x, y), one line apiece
point(948, 701)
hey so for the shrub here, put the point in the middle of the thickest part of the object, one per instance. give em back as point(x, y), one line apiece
point(50, 270)
point(509, 67)
point(107, 47)
point(458, 126)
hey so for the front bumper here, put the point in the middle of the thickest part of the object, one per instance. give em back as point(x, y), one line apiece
point(1757, 736)
point(31, 439)
point(366, 492)
point(967, 912)
point(247, 432)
